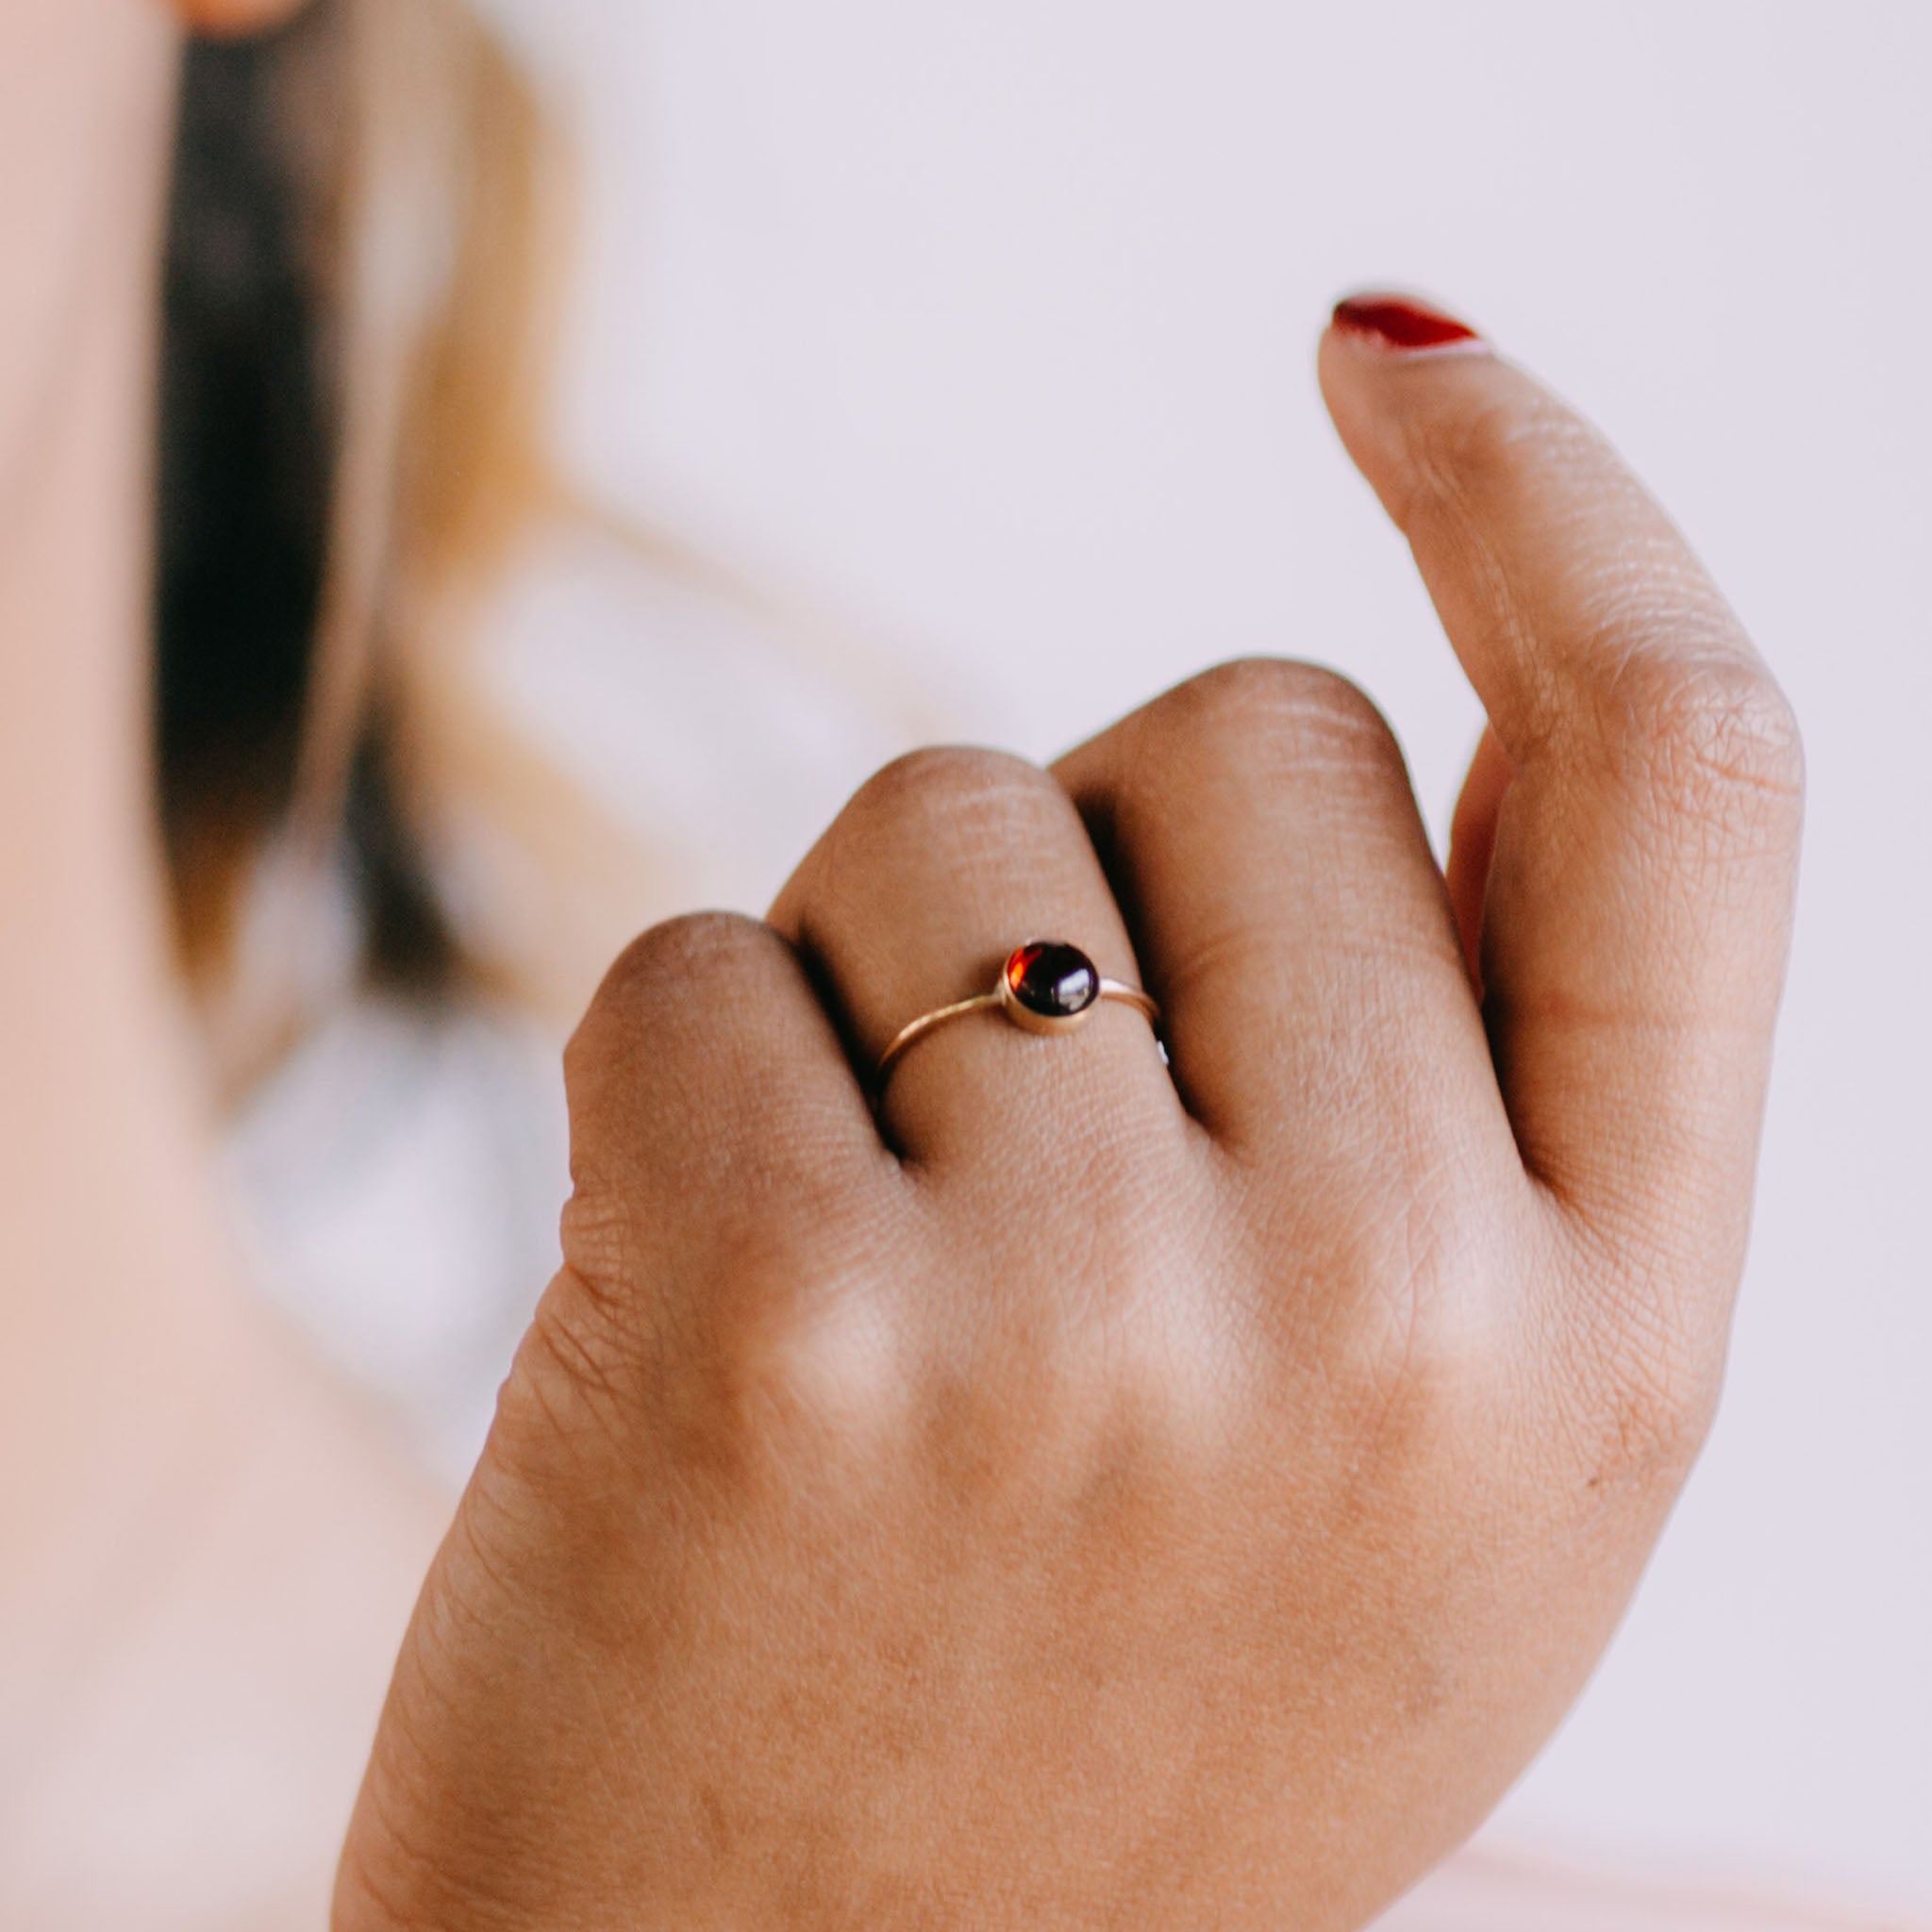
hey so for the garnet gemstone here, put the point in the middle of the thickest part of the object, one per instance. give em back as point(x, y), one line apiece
point(1053, 979)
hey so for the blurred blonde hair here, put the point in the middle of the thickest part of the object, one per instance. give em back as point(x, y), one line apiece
point(437, 200)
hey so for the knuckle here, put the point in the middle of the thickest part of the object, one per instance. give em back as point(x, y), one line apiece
point(669, 956)
point(1274, 710)
point(1715, 743)
point(1420, 1347)
point(649, 986)
point(939, 781)
point(941, 790)
point(785, 1339)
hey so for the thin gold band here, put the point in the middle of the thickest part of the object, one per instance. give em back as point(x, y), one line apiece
point(1002, 999)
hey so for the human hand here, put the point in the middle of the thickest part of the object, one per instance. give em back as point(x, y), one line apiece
point(1086, 1496)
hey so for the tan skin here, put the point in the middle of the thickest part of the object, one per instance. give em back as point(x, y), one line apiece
point(1075, 1495)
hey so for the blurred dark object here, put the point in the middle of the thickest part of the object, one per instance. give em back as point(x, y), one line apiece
point(251, 384)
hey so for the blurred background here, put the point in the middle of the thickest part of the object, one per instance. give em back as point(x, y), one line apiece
point(961, 361)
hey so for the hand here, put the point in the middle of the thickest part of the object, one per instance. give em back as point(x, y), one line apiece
point(1082, 1496)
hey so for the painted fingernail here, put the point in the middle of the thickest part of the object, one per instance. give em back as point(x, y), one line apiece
point(1403, 323)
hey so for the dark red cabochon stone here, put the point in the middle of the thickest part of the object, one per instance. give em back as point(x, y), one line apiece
point(1053, 979)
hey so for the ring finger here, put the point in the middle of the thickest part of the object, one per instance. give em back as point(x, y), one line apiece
point(938, 869)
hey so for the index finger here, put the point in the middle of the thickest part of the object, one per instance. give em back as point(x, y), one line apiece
point(1640, 895)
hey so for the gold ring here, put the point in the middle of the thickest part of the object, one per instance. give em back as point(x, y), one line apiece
point(1046, 986)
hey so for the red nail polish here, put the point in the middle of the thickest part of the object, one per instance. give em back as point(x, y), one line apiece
point(1399, 321)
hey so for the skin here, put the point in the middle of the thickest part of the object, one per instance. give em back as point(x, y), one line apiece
point(1078, 1496)
point(206, 1550)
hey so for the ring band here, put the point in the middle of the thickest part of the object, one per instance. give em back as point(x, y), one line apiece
point(1045, 986)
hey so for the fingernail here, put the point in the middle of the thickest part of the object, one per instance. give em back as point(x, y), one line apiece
point(1403, 323)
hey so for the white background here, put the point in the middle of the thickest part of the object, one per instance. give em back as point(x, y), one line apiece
point(993, 323)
